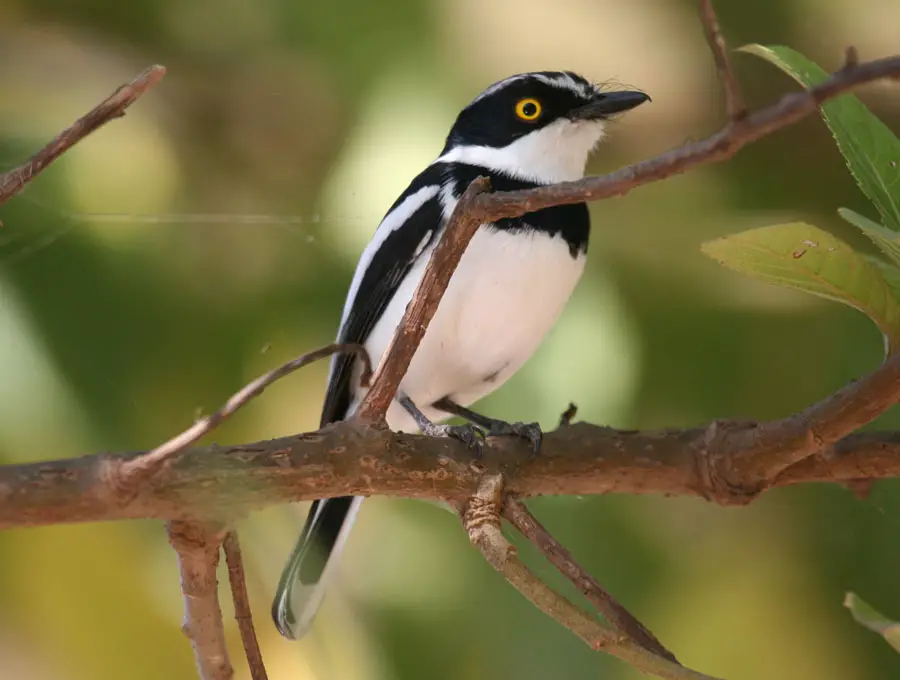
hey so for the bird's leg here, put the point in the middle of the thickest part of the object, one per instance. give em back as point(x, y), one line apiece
point(468, 434)
point(530, 431)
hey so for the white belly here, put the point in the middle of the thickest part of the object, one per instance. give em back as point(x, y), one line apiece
point(504, 297)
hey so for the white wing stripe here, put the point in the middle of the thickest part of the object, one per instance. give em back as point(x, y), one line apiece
point(391, 222)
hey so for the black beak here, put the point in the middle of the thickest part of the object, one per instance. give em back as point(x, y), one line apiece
point(608, 103)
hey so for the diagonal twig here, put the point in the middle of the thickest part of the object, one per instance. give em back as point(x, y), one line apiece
point(138, 469)
point(616, 615)
point(460, 229)
point(13, 181)
point(242, 613)
point(734, 101)
point(481, 519)
point(197, 546)
point(716, 148)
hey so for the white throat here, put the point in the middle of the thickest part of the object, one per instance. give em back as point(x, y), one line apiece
point(555, 153)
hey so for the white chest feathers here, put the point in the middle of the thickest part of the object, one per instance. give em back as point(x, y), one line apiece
point(506, 294)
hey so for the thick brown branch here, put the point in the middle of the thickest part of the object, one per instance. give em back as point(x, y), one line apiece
point(622, 621)
point(13, 181)
point(481, 519)
point(242, 613)
point(127, 476)
point(459, 231)
point(734, 101)
point(719, 147)
point(344, 459)
point(727, 462)
point(197, 545)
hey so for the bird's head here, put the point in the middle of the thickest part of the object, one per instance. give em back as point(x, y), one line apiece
point(538, 126)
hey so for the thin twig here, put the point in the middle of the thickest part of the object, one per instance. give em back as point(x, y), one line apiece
point(460, 229)
point(147, 465)
point(13, 181)
point(481, 520)
point(616, 615)
point(197, 546)
point(242, 613)
point(734, 101)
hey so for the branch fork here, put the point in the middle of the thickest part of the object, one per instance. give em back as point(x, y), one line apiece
point(625, 637)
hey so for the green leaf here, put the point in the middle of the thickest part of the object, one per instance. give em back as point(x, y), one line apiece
point(871, 150)
point(866, 615)
point(800, 256)
point(890, 273)
point(888, 241)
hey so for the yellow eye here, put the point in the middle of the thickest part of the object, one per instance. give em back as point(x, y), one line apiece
point(528, 109)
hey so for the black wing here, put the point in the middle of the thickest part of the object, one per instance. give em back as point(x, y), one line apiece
point(379, 283)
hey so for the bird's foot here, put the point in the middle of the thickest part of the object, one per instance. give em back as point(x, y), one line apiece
point(530, 431)
point(468, 434)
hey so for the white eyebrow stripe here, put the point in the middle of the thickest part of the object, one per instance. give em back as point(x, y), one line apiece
point(567, 82)
point(547, 80)
point(498, 86)
point(562, 81)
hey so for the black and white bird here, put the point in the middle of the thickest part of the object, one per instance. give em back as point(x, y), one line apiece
point(511, 285)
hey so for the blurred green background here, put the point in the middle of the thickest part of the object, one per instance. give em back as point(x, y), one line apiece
point(212, 233)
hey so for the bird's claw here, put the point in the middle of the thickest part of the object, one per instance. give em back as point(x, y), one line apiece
point(530, 431)
point(473, 437)
point(468, 434)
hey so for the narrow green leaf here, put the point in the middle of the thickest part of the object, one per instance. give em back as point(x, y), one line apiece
point(888, 241)
point(866, 615)
point(871, 150)
point(800, 256)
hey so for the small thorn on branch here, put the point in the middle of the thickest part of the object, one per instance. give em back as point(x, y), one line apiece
point(851, 57)
point(860, 488)
point(566, 417)
point(734, 101)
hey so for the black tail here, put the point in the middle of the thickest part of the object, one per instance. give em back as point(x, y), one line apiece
point(313, 557)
